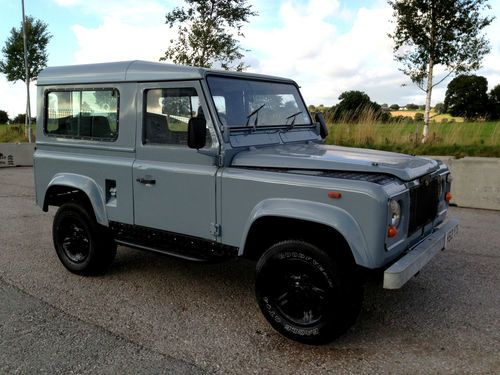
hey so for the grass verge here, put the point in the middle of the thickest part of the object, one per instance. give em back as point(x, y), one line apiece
point(14, 133)
point(455, 139)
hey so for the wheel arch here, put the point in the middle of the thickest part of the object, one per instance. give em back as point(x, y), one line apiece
point(65, 187)
point(276, 219)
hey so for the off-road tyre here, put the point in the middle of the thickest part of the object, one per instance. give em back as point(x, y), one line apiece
point(83, 246)
point(306, 294)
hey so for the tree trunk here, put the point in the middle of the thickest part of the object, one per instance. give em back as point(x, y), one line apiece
point(427, 115)
point(430, 73)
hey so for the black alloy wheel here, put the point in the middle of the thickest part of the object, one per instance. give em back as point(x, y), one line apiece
point(83, 246)
point(305, 294)
point(74, 238)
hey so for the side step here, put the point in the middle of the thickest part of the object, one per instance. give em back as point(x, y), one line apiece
point(161, 251)
point(174, 244)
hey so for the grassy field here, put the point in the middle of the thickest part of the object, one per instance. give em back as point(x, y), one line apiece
point(458, 139)
point(14, 133)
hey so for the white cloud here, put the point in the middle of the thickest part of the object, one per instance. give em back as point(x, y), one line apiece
point(129, 30)
point(115, 40)
point(310, 49)
point(13, 98)
point(325, 62)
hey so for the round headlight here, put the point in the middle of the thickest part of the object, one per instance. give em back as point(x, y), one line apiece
point(395, 211)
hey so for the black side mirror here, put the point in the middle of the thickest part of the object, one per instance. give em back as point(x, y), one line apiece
point(197, 132)
point(323, 129)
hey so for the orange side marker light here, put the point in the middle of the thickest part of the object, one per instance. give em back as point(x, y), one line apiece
point(448, 197)
point(392, 231)
point(334, 195)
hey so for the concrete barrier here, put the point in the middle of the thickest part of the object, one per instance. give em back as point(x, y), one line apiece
point(476, 181)
point(16, 154)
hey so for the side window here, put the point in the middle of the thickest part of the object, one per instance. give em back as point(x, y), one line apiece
point(167, 113)
point(85, 114)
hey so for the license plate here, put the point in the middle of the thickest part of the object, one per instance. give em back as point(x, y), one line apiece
point(450, 235)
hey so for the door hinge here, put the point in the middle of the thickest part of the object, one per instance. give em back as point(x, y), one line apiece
point(215, 229)
point(220, 161)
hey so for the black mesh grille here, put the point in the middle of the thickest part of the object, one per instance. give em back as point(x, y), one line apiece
point(424, 201)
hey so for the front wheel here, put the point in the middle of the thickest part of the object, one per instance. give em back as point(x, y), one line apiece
point(305, 294)
point(83, 246)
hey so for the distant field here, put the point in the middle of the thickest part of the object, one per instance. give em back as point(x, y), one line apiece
point(434, 117)
point(459, 139)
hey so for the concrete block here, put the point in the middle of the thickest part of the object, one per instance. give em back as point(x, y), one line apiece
point(16, 154)
point(476, 182)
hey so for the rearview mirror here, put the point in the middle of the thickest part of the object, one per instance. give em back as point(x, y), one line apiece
point(323, 129)
point(197, 132)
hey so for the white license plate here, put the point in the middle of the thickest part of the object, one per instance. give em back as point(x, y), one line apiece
point(450, 235)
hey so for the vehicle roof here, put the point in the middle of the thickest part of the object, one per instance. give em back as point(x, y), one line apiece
point(132, 71)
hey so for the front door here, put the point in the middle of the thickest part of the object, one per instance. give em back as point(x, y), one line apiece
point(174, 186)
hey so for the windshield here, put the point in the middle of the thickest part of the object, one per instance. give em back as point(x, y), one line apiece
point(243, 102)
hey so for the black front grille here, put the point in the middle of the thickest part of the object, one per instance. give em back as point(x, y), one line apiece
point(424, 200)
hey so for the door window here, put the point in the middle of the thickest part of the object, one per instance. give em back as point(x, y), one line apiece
point(167, 113)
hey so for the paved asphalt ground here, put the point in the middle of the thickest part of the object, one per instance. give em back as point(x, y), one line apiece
point(154, 314)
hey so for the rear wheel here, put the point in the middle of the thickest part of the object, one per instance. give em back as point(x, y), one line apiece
point(83, 246)
point(305, 294)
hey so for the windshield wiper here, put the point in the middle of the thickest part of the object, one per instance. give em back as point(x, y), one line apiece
point(256, 117)
point(294, 116)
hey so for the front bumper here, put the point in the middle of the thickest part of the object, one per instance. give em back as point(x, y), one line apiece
point(410, 264)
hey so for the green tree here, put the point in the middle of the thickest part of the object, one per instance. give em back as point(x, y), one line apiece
point(431, 33)
point(12, 63)
point(19, 119)
point(4, 117)
point(439, 108)
point(494, 107)
point(467, 96)
point(394, 107)
point(411, 106)
point(206, 32)
point(353, 106)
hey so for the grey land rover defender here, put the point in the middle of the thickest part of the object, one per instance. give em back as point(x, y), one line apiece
point(205, 165)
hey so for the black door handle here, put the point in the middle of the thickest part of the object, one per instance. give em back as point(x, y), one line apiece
point(146, 181)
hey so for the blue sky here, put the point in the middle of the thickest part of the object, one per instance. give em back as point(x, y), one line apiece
point(327, 46)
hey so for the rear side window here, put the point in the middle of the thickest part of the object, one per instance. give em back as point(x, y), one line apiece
point(84, 114)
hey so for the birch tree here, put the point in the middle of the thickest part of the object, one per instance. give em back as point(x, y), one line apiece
point(207, 32)
point(432, 33)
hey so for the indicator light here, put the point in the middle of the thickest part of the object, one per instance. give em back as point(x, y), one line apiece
point(392, 231)
point(334, 195)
